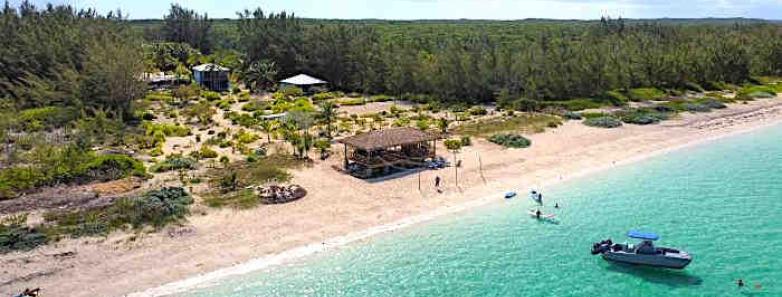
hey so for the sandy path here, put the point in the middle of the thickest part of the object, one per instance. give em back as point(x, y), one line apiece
point(338, 205)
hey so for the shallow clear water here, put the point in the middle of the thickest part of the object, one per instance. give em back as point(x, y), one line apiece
point(722, 202)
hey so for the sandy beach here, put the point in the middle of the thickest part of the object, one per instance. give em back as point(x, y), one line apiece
point(341, 209)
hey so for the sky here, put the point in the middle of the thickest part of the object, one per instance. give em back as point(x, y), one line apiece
point(447, 9)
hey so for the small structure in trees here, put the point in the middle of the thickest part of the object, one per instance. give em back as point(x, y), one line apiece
point(303, 81)
point(212, 76)
point(383, 151)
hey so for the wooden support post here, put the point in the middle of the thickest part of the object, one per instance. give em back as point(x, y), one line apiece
point(346, 157)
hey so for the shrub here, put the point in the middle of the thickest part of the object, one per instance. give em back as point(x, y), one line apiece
point(351, 102)
point(36, 119)
point(15, 235)
point(478, 111)
point(466, 141)
point(256, 106)
point(159, 96)
point(712, 103)
point(603, 122)
point(210, 96)
point(380, 98)
point(572, 115)
point(175, 162)
point(510, 140)
point(302, 104)
point(168, 130)
point(111, 167)
point(751, 92)
point(717, 86)
point(694, 87)
point(696, 107)
point(224, 104)
point(591, 115)
point(615, 97)
point(642, 116)
point(155, 208)
point(207, 153)
point(245, 137)
point(645, 94)
point(242, 119)
point(66, 165)
point(327, 96)
point(453, 144)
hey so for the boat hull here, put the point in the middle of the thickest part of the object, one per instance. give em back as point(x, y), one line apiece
point(648, 260)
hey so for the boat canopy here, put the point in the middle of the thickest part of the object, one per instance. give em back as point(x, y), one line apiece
point(642, 235)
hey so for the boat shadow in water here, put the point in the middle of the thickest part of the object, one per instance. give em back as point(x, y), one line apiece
point(671, 278)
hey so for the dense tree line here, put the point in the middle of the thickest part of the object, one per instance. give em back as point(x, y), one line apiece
point(58, 56)
point(547, 60)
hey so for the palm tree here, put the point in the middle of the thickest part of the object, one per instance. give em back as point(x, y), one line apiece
point(328, 112)
point(260, 75)
point(302, 121)
point(269, 127)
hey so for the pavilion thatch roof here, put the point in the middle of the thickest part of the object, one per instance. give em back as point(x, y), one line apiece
point(388, 138)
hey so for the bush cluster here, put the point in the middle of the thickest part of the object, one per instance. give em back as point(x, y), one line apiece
point(642, 116)
point(175, 162)
point(15, 235)
point(510, 140)
point(645, 94)
point(64, 166)
point(154, 208)
point(603, 122)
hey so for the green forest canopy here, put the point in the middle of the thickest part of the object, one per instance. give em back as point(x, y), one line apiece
point(58, 55)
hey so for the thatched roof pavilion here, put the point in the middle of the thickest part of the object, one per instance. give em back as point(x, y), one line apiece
point(387, 149)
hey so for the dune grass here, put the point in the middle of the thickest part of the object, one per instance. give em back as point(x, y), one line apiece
point(525, 123)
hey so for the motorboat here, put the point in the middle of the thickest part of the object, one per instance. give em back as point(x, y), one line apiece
point(642, 253)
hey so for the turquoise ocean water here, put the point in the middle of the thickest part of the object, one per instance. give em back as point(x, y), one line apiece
point(721, 201)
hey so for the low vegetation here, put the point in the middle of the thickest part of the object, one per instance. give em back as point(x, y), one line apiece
point(510, 140)
point(642, 116)
point(175, 162)
point(155, 208)
point(49, 166)
point(15, 235)
point(603, 122)
point(229, 183)
point(645, 94)
point(526, 123)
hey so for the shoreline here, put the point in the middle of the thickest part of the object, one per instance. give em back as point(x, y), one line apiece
point(301, 252)
point(339, 209)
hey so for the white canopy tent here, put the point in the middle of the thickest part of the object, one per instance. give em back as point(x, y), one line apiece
point(302, 80)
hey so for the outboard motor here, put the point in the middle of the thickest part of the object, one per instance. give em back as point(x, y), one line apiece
point(600, 247)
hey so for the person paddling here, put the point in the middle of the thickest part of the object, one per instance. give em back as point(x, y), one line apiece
point(537, 213)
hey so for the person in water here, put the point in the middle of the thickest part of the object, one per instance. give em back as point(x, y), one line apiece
point(556, 205)
point(740, 283)
point(537, 213)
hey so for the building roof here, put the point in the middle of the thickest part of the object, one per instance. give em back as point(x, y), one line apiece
point(210, 67)
point(302, 80)
point(388, 138)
